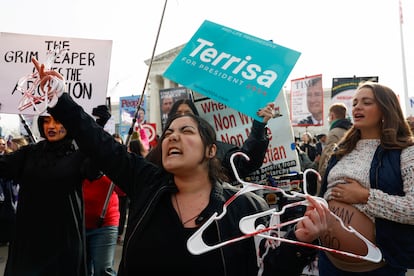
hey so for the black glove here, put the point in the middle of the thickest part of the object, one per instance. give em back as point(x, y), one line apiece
point(103, 114)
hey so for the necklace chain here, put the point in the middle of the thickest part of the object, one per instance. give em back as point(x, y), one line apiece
point(179, 212)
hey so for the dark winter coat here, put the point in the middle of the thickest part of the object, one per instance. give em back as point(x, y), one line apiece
point(255, 147)
point(8, 203)
point(49, 237)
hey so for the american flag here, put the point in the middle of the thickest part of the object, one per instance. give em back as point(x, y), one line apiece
point(401, 13)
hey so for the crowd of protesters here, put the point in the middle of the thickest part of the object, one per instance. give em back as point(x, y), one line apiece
point(97, 151)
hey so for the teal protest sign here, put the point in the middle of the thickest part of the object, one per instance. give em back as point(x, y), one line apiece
point(241, 71)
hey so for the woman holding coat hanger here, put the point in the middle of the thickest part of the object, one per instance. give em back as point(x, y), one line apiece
point(169, 203)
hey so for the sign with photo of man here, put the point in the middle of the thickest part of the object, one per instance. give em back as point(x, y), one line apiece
point(168, 97)
point(306, 101)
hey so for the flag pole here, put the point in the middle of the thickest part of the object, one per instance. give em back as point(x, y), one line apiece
point(404, 70)
point(146, 78)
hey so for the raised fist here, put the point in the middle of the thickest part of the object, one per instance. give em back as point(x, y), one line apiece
point(102, 113)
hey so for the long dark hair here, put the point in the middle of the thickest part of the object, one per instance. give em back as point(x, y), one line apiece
point(136, 146)
point(179, 102)
point(208, 137)
point(395, 131)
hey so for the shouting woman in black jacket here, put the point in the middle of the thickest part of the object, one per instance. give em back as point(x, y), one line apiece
point(169, 203)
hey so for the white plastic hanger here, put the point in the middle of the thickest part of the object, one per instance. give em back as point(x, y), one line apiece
point(247, 224)
point(196, 244)
point(30, 97)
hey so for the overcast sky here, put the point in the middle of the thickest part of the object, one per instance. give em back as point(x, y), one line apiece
point(337, 38)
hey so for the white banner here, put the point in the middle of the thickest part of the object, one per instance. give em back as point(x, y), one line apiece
point(84, 65)
point(233, 127)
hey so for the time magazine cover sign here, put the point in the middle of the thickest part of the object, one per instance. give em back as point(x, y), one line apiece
point(306, 101)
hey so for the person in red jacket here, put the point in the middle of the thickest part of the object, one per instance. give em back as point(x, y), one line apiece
point(101, 223)
point(101, 212)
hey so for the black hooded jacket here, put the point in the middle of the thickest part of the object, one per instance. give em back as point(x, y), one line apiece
point(49, 235)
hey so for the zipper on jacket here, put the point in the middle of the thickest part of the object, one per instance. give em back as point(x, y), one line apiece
point(223, 260)
point(138, 223)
